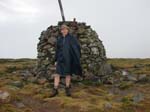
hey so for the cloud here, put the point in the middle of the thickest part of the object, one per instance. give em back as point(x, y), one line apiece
point(123, 26)
point(27, 11)
point(18, 6)
point(16, 10)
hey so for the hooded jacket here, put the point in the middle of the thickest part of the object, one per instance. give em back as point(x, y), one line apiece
point(67, 56)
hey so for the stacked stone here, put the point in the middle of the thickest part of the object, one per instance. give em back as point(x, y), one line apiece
point(93, 57)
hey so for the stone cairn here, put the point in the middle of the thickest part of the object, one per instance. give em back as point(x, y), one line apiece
point(93, 57)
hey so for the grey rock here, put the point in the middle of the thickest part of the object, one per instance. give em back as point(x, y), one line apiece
point(142, 77)
point(125, 72)
point(95, 50)
point(138, 66)
point(131, 77)
point(107, 106)
point(19, 104)
point(32, 80)
point(138, 97)
point(25, 73)
point(4, 96)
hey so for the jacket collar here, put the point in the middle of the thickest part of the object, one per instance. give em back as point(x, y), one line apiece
point(66, 35)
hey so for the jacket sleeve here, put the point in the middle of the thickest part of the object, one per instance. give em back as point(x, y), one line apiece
point(76, 45)
point(56, 52)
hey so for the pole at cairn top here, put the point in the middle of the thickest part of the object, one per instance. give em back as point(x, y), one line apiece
point(61, 10)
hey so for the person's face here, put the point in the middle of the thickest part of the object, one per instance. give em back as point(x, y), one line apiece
point(64, 31)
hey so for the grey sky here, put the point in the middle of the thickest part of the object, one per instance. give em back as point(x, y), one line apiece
point(123, 25)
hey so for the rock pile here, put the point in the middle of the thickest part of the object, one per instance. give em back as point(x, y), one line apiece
point(93, 59)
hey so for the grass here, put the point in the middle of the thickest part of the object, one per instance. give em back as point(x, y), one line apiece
point(86, 97)
point(143, 65)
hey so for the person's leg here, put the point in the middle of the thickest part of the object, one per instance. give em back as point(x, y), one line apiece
point(56, 81)
point(68, 85)
point(68, 80)
point(56, 84)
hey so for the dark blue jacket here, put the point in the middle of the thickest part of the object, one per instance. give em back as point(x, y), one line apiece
point(68, 52)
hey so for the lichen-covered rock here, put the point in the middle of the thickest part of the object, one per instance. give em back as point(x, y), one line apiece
point(93, 57)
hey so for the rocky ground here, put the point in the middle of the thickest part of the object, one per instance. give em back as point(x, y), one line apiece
point(127, 90)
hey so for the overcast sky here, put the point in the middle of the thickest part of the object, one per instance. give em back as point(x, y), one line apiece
point(122, 25)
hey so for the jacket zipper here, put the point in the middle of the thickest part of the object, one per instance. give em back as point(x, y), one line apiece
point(63, 40)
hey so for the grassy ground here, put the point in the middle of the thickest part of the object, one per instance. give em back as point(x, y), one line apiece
point(34, 97)
point(137, 66)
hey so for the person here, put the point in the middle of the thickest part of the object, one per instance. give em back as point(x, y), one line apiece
point(67, 59)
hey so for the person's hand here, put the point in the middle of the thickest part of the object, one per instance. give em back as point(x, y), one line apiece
point(55, 63)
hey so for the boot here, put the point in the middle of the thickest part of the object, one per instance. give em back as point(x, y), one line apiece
point(68, 91)
point(54, 92)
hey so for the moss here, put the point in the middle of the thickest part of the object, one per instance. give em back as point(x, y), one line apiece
point(8, 108)
point(11, 69)
point(30, 89)
point(90, 82)
point(127, 100)
point(125, 85)
point(2, 73)
point(15, 97)
point(28, 110)
point(80, 106)
point(128, 104)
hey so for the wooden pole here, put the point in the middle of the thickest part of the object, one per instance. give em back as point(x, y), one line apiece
point(61, 10)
